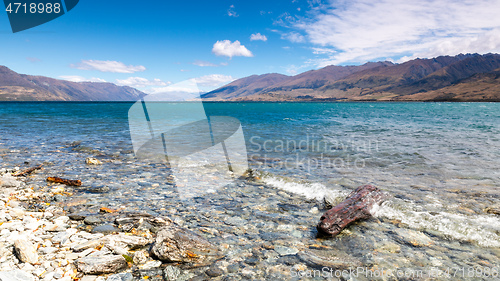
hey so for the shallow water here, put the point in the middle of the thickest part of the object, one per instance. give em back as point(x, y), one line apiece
point(438, 161)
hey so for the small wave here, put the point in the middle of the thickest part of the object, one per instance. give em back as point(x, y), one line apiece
point(316, 191)
point(480, 229)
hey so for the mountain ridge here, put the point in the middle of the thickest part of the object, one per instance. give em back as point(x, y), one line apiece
point(23, 87)
point(374, 81)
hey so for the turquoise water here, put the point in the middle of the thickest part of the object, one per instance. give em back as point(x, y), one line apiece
point(440, 162)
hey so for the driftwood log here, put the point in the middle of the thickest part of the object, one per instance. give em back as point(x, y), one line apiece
point(27, 171)
point(356, 207)
point(65, 181)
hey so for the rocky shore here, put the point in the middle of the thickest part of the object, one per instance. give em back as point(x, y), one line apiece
point(48, 245)
point(246, 231)
point(40, 240)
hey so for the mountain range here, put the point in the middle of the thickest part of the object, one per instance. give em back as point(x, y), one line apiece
point(21, 87)
point(469, 77)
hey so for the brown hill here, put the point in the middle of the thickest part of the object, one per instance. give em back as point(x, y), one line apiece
point(21, 87)
point(383, 81)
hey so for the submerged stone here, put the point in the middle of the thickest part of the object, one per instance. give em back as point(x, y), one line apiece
point(177, 244)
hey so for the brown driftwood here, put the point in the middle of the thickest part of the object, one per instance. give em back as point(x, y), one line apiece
point(65, 181)
point(356, 207)
point(27, 171)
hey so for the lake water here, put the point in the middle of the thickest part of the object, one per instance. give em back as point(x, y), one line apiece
point(439, 162)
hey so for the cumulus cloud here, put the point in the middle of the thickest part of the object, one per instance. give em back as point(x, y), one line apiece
point(361, 30)
point(213, 80)
point(228, 49)
point(108, 66)
point(258, 36)
point(140, 82)
point(76, 78)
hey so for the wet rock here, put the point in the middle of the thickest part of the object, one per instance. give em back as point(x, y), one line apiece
point(25, 251)
point(214, 271)
point(177, 244)
point(92, 220)
point(283, 251)
point(232, 268)
point(288, 260)
point(78, 216)
point(105, 229)
point(96, 188)
point(329, 258)
point(141, 221)
point(412, 237)
point(92, 161)
point(101, 264)
point(389, 247)
point(252, 261)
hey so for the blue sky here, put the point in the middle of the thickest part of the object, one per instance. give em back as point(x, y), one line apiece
point(151, 44)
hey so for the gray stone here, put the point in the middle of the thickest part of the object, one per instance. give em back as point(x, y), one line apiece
point(140, 257)
point(86, 245)
point(16, 275)
point(130, 242)
point(92, 220)
point(214, 271)
point(121, 277)
point(25, 251)
point(177, 244)
point(171, 273)
point(105, 229)
point(101, 264)
point(150, 265)
point(77, 216)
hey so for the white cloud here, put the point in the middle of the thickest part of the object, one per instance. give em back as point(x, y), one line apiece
point(362, 30)
point(231, 12)
point(108, 66)
point(213, 80)
point(140, 82)
point(258, 36)
point(76, 78)
point(204, 63)
point(294, 37)
point(228, 49)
